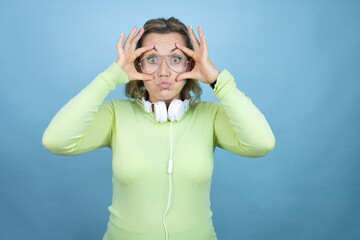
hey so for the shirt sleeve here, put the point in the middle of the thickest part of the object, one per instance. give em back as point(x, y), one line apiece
point(239, 126)
point(85, 123)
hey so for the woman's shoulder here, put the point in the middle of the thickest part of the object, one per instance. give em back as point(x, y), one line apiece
point(120, 100)
point(118, 103)
point(206, 106)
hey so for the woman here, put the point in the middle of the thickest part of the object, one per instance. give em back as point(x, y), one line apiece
point(162, 141)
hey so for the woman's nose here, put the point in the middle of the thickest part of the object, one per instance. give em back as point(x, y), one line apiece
point(163, 68)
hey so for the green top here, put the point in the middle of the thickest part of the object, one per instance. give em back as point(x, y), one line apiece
point(141, 150)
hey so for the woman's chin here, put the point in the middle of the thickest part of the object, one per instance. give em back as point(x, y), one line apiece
point(164, 97)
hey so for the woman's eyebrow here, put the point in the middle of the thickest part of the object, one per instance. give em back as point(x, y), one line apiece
point(170, 51)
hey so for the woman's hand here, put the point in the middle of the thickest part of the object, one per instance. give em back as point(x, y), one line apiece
point(204, 70)
point(127, 55)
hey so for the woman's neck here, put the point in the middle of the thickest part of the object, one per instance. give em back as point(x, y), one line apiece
point(167, 102)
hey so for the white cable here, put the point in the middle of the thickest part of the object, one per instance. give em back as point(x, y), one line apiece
point(167, 208)
point(169, 171)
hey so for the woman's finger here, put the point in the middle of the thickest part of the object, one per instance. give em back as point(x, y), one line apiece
point(120, 41)
point(144, 77)
point(129, 38)
point(202, 39)
point(136, 38)
point(193, 38)
point(185, 75)
point(186, 50)
point(141, 50)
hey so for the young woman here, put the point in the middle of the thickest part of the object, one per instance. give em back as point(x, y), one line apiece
point(163, 137)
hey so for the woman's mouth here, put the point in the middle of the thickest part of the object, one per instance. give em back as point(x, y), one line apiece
point(164, 84)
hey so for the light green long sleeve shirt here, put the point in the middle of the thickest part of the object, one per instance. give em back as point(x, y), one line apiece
point(141, 149)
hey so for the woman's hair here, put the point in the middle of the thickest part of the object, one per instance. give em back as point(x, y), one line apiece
point(191, 90)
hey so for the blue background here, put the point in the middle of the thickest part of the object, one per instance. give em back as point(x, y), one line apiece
point(297, 60)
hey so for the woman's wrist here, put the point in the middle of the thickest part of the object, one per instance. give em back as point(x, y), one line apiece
point(212, 72)
point(212, 85)
point(120, 64)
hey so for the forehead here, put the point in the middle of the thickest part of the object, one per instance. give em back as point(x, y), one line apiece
point(164, 43)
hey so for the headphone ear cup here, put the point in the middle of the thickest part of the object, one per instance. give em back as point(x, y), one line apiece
point(147, 105)
point(177, 108)
point(160, 111)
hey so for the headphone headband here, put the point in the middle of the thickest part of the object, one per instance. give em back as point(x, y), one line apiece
point(176, 109)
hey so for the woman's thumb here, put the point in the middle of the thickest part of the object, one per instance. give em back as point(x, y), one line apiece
point(183, 76)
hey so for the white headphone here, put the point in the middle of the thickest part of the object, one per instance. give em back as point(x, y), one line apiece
point(176, 109)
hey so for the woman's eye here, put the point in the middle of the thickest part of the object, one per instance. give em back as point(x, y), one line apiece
point(151, 60)
point(176, 59)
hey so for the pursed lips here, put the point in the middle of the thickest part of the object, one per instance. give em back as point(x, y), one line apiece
point(164, 84)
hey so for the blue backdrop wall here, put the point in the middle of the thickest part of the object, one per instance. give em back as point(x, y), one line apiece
point(297, 60)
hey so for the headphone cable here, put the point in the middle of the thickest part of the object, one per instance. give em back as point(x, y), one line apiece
point(169, 171)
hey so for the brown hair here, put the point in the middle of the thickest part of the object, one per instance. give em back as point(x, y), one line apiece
point(191, 90)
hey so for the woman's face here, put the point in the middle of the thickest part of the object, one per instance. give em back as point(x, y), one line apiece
point(163, 87)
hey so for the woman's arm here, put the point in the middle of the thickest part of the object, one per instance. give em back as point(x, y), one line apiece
point(85, 123)
point(239, 126)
